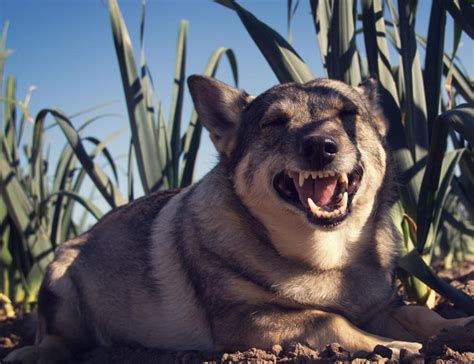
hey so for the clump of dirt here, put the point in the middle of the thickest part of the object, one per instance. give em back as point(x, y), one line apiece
point(455, 345)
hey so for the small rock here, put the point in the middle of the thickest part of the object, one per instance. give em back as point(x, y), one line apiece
point(375, 356)
point(362, 354)
point(277, 349)
point(360, 361)
point(383, 351)
point(409, 357)
point(301, 351)
point(335, 351)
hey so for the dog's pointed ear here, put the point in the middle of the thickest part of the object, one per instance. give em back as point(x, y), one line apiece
point(370, 89)
point(219, 107)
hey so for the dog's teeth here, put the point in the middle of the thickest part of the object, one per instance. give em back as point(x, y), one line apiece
point(313, 207)
point(314, 175)
point(343, 179)
point(331, 173)
point(345, 198)
point(301, 179)
point(307, 174)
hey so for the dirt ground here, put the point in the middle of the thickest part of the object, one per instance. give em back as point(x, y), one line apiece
point(453, 346)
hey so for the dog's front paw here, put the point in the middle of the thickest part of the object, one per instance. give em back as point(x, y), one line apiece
point(34, 355)
point(463, 321)
point(396, 346)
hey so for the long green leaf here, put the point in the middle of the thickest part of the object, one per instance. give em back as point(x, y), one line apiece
point(22, 214)
point(86, 203)
point(108, 190)
point(416, 120)
point(450, 162)
point(434, 60)
point(461, 82)
point(463, 13)
point(460, 119)
point(414, 264)
point(342, 43)
point(280, 55)
point(150, 170)
point(322, 12)
point(176, 111)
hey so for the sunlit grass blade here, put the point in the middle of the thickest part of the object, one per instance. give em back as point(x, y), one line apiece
point(10, 117)
point(460, 119)
point(192, 137)
point(416, 118)
point(111, 194)
point(290, 13)
point(280, 55)
point(140, 124)
point(176, 109)
point(375, 35)
point(100, 147)
point(343, 49)
point(86, 203)
point(22, 214)
point(321, 11)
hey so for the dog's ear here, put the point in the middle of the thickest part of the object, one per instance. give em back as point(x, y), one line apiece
point(370, 89)
point(219, 107)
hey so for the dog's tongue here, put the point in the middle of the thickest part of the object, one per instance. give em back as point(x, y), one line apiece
point(320, 190)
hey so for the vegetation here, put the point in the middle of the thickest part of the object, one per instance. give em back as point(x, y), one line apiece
point(356, 39)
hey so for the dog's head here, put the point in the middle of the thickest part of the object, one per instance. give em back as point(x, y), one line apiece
point(310, 155)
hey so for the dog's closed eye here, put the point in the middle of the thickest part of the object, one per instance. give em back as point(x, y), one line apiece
point(274, 121)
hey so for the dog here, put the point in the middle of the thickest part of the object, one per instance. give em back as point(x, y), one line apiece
point(288, 238)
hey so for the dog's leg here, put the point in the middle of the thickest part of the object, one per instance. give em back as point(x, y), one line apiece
point(51, 349)
point(423, 322)
point(412, 323)
point(61, 327)
point(312, 327)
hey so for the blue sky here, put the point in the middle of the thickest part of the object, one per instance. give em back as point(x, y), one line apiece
point(65, 49)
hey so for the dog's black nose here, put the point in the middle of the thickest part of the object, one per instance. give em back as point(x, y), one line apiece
point(318, 150)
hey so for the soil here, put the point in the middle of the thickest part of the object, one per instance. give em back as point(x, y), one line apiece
point(455, 345)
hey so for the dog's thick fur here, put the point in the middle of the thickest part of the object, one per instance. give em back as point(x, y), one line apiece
point(227, 263)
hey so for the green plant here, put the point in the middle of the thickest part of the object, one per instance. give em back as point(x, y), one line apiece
point(412, 98)
point(35, 209)
point(151, 136)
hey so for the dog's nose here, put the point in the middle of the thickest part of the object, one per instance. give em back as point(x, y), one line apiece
point(318, 150)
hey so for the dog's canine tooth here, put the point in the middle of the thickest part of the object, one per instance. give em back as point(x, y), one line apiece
point(345, 198)
point(315, 209)
point(301, 179)
point(343, 179)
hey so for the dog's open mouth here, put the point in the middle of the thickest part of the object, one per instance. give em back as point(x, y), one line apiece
point(325, 195)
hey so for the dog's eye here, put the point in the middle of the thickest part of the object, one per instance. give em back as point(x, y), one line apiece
point(277, 121)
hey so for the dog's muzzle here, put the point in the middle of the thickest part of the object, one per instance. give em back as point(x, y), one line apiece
point(325, 195)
